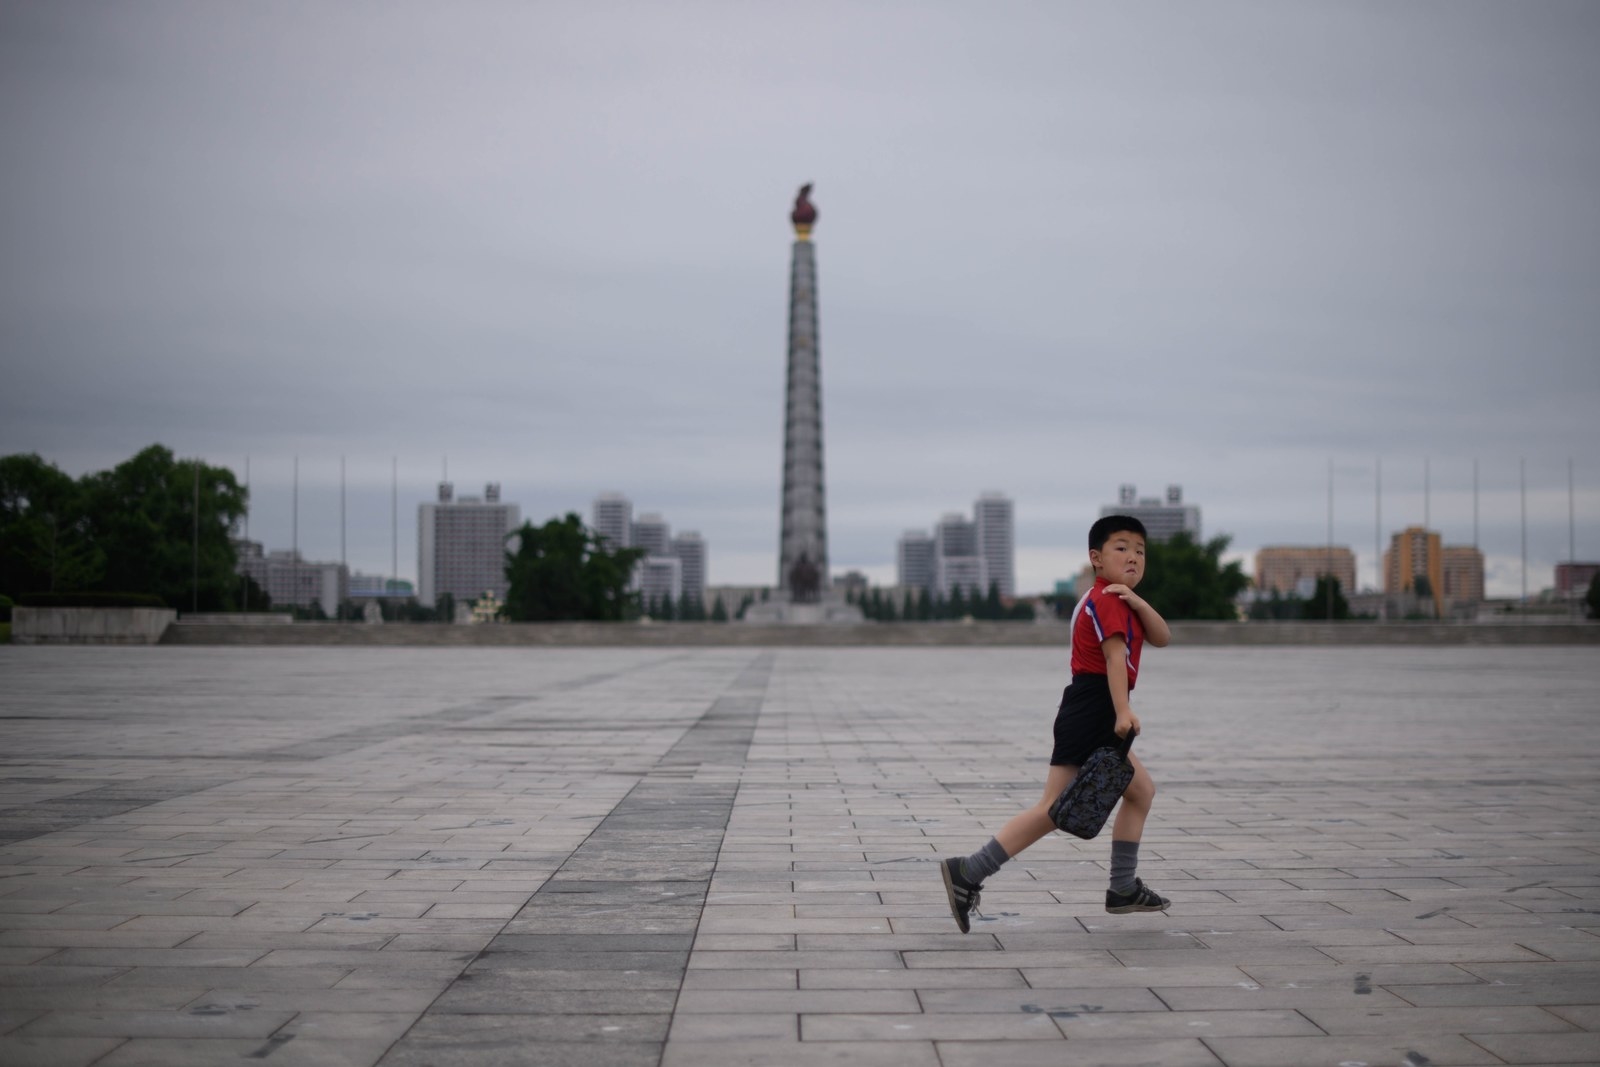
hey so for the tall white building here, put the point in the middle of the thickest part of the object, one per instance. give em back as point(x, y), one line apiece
point(660, 576)
point(993, 517)
point(1161, 518)
point(913, 556)
point(955, 557)
point(651, 533)
point(690, 552)
point(461, 545)
point(612, 518)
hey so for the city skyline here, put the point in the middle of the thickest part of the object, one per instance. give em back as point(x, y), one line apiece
point(1215, 246)
point(319, 535)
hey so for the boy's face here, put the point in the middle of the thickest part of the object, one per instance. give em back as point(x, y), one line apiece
point(1121, 559)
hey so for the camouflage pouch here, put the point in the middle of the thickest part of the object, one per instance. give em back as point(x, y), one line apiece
point(1083, 807)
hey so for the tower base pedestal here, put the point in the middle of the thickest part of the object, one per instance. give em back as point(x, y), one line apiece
point(828, 610)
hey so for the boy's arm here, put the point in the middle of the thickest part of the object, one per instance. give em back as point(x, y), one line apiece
point(1155, 627)
point(1116, 653)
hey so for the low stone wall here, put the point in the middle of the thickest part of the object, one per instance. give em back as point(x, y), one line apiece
point(89, 626)
point(869, 634)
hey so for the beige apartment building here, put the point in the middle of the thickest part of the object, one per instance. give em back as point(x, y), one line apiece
point(1462, 569)
point(1454, 572)
point(1290, 569)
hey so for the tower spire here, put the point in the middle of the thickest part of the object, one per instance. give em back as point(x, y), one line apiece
point(803, 544)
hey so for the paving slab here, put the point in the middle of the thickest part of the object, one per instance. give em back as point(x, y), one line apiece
point(707, 856)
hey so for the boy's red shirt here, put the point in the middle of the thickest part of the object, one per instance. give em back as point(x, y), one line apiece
point(1103, 615)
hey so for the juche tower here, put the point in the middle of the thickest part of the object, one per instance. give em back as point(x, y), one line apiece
point(803, 544)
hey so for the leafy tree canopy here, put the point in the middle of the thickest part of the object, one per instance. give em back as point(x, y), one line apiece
point(131, 529)
point(143, 516)
point(562, 571)
point(45, 544)
point(1187, 580)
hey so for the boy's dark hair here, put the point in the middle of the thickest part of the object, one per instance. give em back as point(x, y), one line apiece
point(1107, 525)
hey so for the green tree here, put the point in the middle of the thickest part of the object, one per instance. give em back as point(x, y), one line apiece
point(924, 606)
point(564, 571)
point(1592, 599)
point(45, 537)
point(144, 524)
point(958, 602)
point(1277, 607)
point(1317, 606)
point(908, 607)
point(718, 612)
point(992, 608)
point(1187, 580)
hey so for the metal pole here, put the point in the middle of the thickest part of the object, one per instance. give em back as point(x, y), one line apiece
point(394, 518)
point(1377, 537)
point(1427, 509)
point(1328, 581)
point(1474, 503)
point(1522, 481)
point(344, 562)
point(195, 587)
point(294, 556)
point(1572, 540)
point(244, 572)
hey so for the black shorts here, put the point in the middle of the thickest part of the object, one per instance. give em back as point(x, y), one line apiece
point(1087, 720)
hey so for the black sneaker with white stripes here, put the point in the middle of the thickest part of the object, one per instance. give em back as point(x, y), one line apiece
point(963, 894)
point(1141, 898)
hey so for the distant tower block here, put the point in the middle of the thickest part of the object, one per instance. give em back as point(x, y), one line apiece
point(803, 544)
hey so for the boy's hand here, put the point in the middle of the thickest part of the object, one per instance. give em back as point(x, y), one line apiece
point(1128, 596)
point(1126, 723)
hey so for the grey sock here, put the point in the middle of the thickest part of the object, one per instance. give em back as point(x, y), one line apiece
point(1124, 861)
point(984, 862)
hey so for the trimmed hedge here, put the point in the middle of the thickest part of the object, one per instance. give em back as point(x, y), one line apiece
point(91, 600)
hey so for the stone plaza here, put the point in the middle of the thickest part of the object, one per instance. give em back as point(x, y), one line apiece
point(698, 857)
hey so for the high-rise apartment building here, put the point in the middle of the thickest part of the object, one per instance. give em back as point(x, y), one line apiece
point(288, 578)
point(651, 533)
point(461, 545)
point(690, 552)
point(1461, 570)
point(970, 553)
point(611, 516)
point(913, 555)
point(660, 577)
point(1295, 569)
point(993, 517)
point(613, 520)
point(1161, 518)
point(1415, 556)
point(956, 562)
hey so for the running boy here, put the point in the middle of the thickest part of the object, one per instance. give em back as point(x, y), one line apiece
point(1109, 628)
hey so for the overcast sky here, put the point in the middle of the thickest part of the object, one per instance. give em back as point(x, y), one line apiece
point(1062, 247)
